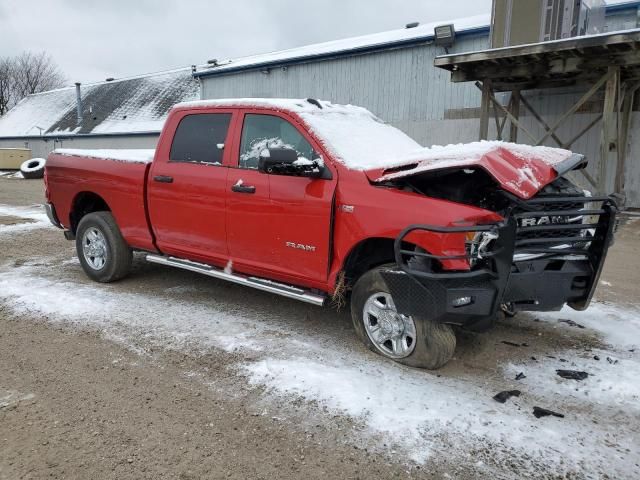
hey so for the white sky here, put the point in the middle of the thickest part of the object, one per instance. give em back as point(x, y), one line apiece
point(95, 39)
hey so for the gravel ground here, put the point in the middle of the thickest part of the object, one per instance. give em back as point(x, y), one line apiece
point(168, 374)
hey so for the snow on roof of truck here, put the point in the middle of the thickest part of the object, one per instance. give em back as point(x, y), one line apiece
point(134, 105)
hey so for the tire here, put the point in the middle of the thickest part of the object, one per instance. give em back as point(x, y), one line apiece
point(434, 343)
point(98, 230)
point(33, 168)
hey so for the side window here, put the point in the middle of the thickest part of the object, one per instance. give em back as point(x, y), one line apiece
point(267, 131)
point(200, 137)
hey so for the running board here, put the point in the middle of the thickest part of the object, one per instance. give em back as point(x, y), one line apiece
point(270, 286)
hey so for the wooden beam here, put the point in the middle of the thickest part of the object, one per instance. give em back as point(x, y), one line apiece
point(538, 117)
point(514, 104)
point(589, 178)
point(623, 135)
point(484, 109)
point(605, 78)
point(568, 144)
point(492, 98)
point(609, 138)
point(498, 126)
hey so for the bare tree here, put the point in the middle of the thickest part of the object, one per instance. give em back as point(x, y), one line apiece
point(6, 85)
point(26, 74)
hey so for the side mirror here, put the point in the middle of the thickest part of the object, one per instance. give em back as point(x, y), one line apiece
point(276, 160)
point(285, 161)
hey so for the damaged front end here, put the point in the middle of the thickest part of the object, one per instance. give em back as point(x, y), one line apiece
point(547, 252)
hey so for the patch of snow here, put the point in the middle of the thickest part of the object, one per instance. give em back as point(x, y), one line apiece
point(228, 269)
point(618, 326)
point(36, 217)
point(9, 398)
point(612, 382)
point(418, 412)
point(11, 174)
point(300, 162)
point(25, 291)
point(138, 155)
point(260, 148)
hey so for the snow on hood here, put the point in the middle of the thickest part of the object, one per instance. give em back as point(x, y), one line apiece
point(520, 169)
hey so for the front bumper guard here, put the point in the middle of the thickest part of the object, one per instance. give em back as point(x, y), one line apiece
point(436, 294)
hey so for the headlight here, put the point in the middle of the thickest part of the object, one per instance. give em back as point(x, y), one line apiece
point(478, 243)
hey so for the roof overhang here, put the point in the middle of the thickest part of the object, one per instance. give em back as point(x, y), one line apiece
point(556, 63)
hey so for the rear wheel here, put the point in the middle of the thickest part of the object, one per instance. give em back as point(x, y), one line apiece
point(410, 340)
point(103, 253)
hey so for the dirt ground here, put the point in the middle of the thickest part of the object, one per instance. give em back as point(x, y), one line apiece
point(82, 399)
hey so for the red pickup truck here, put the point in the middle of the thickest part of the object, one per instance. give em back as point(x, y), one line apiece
point(316, 201)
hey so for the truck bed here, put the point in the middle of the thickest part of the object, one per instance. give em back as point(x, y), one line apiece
point(118, 177)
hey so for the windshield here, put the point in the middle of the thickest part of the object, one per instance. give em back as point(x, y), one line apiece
point(358, 139)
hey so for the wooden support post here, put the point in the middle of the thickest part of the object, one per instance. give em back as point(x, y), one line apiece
point(498, 126)
point(623, 135)
point(609, 138)
point(514, 105)
point(484, 109)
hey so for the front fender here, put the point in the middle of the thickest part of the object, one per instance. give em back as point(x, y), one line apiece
point(365, 211)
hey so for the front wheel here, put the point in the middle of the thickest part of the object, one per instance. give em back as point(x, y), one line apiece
point(411, 340)
point(104, 255)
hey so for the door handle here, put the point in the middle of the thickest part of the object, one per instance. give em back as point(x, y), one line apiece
point(243, 189)
point(163, 179)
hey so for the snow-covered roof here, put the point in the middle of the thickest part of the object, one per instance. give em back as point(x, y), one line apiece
point(128, 106)
point(376, 41)
point(364, 43)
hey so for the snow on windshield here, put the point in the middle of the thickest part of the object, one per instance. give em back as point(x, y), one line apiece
point(359, 139)
point(362, 141)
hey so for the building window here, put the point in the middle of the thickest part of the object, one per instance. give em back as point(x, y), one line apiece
point(200, 138)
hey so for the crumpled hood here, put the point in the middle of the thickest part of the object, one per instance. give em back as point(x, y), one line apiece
point(519, 169)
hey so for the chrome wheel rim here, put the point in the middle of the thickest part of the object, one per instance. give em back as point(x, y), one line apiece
point(94, 248)
point(392, 333)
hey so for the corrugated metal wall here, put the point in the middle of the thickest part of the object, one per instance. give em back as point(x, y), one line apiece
point(402, 87)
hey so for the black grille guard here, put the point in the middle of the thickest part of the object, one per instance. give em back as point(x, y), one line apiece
point(594, 247)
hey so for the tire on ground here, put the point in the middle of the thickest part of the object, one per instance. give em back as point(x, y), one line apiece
point(436, 342)
point(118, 257)
point(33, 168)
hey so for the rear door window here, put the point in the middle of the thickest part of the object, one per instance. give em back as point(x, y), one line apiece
point(200, 138)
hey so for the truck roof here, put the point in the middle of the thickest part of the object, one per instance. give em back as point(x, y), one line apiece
point(296, 105)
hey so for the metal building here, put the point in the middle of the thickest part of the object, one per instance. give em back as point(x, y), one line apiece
point(124, 113)
point(393, 75)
